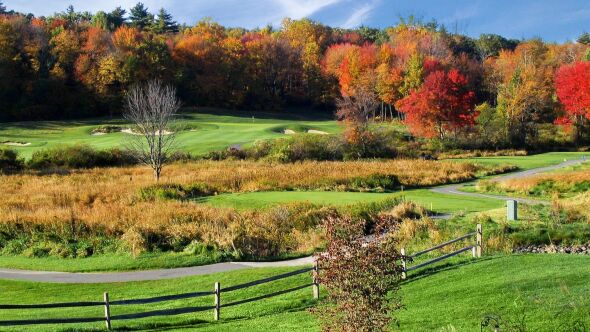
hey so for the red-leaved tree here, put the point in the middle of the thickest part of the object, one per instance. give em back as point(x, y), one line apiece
point(443, 104)
point(572, 83)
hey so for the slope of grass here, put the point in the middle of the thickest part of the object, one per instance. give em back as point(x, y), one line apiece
point(441, 203)
point(545, 292)
point(206, 131)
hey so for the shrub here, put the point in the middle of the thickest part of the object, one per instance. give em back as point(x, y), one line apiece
point(78, 156)
point(361, 277)
point(9, 161)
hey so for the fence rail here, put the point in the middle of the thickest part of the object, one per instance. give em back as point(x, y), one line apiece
point(475, 248)
point(108, 318)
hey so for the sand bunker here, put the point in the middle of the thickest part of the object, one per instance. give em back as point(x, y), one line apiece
point(317, 132)
point(98, 133)
point(130, 131)
point(288, 132)
point(16, 143)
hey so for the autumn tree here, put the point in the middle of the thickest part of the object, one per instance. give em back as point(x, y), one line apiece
point(441, 106)
point(572, 84)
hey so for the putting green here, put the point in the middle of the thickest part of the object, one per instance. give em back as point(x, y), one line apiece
point(442, 203)
point(202, 133)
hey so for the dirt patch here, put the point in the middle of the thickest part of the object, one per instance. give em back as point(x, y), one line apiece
point(317, 132)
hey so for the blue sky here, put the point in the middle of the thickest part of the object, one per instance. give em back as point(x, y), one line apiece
point(553, 20)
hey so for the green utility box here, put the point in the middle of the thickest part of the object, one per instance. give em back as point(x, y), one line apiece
point(512, 210)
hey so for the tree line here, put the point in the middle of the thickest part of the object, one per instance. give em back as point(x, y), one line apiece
point(490, 90)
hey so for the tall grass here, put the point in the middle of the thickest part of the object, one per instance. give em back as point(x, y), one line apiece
point(85, 212)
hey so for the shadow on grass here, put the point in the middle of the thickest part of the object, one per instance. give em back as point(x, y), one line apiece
point(199, 323)
point(449, 266)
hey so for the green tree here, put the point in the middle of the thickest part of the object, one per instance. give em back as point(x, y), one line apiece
point(101, 20)
point(140, 17)
point(2, 8)
point(584, 38)
point(413, 74)
point(164, 23)
point(117, 18)
point(490, 45)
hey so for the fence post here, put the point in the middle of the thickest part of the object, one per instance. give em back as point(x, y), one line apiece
point(107, 311)
point(316, 284)
point(217, 302)
point(478, 240)
point(403, 253)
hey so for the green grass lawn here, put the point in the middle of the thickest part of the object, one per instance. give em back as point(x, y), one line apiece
point(209, 130)
point(547, 292)
point(528, 162)
point(441, 203)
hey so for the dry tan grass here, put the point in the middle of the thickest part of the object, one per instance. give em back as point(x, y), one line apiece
point(562, 182)
point(106, 200)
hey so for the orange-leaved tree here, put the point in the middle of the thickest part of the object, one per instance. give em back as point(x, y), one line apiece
point(442, 105)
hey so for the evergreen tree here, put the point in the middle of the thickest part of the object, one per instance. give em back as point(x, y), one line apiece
point(2, 8)
point(164, 22)
point(584, 38)
point(140, 17)
point(117, 17)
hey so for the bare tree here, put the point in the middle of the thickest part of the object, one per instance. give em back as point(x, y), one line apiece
point(359, 107)
point(151, 108)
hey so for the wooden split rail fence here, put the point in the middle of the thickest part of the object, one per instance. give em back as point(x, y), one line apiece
point(475, 248)
point(108, 317)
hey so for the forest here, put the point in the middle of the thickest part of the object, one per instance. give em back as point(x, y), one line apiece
point(486, 92)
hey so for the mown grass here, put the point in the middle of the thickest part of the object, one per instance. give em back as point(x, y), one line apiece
point(528, 162)
point(207, 130)
point(441, 203)
point(544, 292)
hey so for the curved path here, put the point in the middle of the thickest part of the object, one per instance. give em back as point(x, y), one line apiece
point(70, 277)
point(455, 188)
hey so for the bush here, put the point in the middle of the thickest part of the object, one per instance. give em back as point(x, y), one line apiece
point(9, 161)
point(379, 144)
point(79, 156)
point(361, 277)
point(173, 191)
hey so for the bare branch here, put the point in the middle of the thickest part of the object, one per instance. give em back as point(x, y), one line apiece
point(151, 108)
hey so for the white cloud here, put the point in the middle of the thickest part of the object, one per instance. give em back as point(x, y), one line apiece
point(359, 15)
point(297, 9)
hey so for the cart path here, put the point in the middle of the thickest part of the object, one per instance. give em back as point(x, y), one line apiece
point(105, 277)
point(454, 189)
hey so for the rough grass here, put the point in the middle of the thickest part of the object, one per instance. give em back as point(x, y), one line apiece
point(111, 197)
point(561, 183)
point(534, 292)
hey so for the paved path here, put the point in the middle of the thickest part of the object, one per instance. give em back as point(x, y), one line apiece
point(69, 277)
point(85, 278)
point(455, 188)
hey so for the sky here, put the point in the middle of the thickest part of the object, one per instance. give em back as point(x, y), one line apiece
point(552, 20)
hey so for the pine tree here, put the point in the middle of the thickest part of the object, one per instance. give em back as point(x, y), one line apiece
point(164, 22)
point(2, 8)
point(584, 38)
point(117, 17)
point(140, 17)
